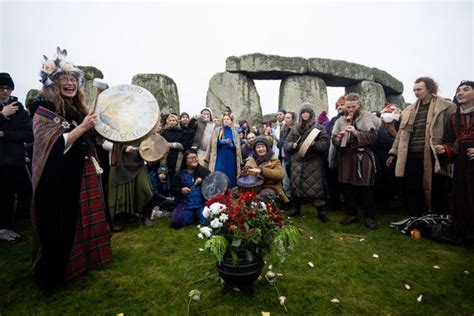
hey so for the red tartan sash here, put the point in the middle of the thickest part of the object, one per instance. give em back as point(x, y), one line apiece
point(91, 248)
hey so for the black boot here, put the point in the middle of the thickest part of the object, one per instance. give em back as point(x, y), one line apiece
point(322, 216)
point(296, 210)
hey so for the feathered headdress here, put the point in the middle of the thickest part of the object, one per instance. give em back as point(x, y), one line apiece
point(59, 65)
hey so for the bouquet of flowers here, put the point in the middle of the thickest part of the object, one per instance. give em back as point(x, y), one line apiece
point(245, 226)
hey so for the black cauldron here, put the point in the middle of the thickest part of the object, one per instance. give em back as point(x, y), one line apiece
point(241, 275)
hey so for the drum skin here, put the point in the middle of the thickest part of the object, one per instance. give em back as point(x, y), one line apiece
point(126, 113)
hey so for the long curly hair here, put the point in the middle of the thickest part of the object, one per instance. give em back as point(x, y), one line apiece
point(52, 93)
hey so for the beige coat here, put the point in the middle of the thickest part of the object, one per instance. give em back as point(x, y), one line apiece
point(211, 153)
point(438, 114)
point(272, 174)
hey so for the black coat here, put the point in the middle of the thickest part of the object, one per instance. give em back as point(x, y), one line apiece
point(17, 130)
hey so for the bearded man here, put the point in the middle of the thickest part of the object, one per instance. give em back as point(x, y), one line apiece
point(353, 134)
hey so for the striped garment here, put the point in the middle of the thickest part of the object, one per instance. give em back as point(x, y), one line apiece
point(417, 140)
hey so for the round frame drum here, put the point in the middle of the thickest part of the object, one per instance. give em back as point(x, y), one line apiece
point(214, 184)
point(153, 148)
point(126, 113)
point(251, 184)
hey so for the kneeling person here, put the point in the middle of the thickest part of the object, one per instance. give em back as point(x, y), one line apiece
point(263, 164)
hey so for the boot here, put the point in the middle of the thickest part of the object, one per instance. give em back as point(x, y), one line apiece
point(296, 210)
point(322, 216)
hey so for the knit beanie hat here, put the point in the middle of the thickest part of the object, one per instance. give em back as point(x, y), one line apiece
point(6, 80)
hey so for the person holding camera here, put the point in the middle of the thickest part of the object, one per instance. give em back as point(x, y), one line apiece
point(15, 130)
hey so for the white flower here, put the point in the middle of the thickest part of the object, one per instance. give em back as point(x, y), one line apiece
point(66, 125)
point(223, 218)
point(282, 300)
point(335, 301)
point(270, 274)
point(206, 231)
point(200, 235)
point(206, 212)
point(215, 223)
point(263, 206)
point(217, 208)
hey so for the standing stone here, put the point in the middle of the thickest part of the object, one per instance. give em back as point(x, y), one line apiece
point(237, 92)
point(373, 96)
point(31, 96)
point(397, 99)
point(298, 89)
point(89, 74)
point(163, 88)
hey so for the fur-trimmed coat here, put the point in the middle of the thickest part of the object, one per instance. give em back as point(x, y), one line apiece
point(272, 174)
point(438, 115)
point(356, 161)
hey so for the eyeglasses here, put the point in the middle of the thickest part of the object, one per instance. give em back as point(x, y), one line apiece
point(5, 88)
point(65, 80)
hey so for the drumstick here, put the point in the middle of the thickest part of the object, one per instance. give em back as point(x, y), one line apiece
point(197, 182)
point(298, 140)
point(101, 85)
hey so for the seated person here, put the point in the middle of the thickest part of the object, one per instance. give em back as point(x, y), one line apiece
point(262, 163)
point(186, 187)
point(162, 190)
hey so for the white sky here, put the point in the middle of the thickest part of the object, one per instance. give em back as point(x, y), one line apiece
point(190, 41)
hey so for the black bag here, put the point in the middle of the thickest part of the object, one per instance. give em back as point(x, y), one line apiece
point(434, 226)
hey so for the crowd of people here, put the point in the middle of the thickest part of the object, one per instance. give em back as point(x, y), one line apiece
point(81, 185)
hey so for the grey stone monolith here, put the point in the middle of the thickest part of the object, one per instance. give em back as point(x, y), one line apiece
point(296, 90)
point(373, 96)
point(163, 88)
point(236, 91)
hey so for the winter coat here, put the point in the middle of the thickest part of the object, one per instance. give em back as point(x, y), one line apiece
point(18, 130)
point(438, 115)
point(272, 174)
point(356, 162)
point(307, 173)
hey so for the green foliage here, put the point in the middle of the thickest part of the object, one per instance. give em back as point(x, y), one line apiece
point(154, 269)
point(217, 245)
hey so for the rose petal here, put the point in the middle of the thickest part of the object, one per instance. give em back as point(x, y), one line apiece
point(362, 239)
point(407, 286)
point(270, 267)
point(437, 267)
point(375, 255)
point(311, 264)
point(335, 301)
point(311, 237)
point(420, 298)
point(201, 249)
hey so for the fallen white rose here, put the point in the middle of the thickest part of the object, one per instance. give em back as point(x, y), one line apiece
point(335, 301)
point(311, 264)
point(420, 298)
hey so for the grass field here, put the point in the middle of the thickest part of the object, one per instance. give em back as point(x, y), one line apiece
point(155, 268)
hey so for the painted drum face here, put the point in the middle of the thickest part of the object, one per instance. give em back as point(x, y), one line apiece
point(126, 113)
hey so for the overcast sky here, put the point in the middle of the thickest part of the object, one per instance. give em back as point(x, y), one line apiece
point(190, 42)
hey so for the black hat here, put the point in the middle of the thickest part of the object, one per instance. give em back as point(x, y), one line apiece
point(6, 80)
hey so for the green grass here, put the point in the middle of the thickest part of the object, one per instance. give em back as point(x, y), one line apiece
point(155, 268)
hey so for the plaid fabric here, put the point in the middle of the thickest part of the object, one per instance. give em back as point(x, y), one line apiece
point(47, 128)
point(91, 248)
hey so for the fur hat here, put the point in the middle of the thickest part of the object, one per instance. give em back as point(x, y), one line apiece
point(6, 80)
point(307, 107)
point(52, 68)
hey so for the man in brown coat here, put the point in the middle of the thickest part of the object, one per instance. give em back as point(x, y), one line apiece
point(421, 129)
point(353, 134)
